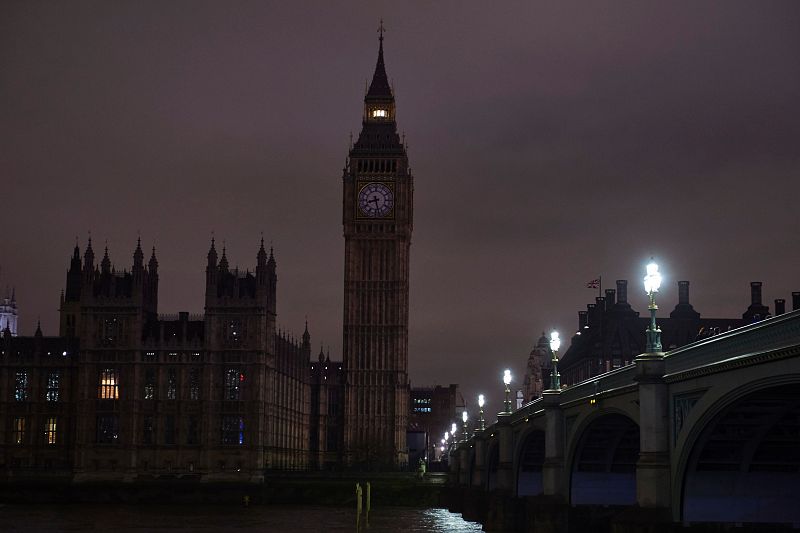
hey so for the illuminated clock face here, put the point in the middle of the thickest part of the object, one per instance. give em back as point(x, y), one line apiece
point(375, 200)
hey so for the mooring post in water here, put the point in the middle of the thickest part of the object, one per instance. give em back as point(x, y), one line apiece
point(358, 498)
point(369, 495)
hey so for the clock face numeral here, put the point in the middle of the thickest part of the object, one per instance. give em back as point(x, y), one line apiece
point(375, 200)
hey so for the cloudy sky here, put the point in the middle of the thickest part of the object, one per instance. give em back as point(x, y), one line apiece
point(551, 143)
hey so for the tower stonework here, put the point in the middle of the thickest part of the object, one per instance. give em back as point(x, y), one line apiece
point(377, 217)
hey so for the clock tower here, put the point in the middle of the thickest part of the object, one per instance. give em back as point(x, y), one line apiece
point(377, 217)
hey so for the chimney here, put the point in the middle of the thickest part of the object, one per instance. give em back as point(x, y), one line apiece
point(590, 314)
point(582, 320)
point(683, 292)
point(601, 303)
point(622, 291)
point(755, 293)
point(611, 297)
point(795, 301)
point(780, 306)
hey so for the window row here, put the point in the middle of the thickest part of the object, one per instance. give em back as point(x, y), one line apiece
point(109, 384)
point(232, 430)
point(20, 430)
point(22, 383)
point(377, 165)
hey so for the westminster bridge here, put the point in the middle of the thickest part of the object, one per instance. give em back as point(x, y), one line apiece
point(707, 433)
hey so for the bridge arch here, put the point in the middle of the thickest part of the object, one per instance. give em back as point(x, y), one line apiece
point(528, 461)
point(603, 460)
point(741, 460)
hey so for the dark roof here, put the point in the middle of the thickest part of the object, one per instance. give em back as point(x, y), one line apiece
point(379, 89)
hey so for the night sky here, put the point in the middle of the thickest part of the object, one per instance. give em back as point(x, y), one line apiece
point(550, 143)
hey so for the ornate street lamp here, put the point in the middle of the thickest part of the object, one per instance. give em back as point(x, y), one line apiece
point(507, 381)
point(453, 429)
point(652, 281)
point(465, 417)
point(481, 403)
point(555, 377)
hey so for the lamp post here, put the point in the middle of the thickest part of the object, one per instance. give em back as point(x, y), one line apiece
point(507, 381)
point(652, 281)
point(481, 402)
point(465, 417)
point(555, 377)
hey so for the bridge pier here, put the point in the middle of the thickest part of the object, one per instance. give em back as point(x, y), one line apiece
point(653, 488)
point(463, 466)
point(479, 474)
point(505, 473)
point(553, 476)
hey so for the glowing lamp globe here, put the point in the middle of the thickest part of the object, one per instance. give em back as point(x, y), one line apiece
point(464, 416)
point(481, 401)
point(652, 281)
point(453, 429)
point(507, 377)
point(555, 342)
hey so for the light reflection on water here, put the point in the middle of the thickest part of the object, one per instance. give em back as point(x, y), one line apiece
point(203, 517)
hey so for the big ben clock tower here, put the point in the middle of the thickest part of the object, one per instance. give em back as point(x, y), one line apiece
point(377, 217)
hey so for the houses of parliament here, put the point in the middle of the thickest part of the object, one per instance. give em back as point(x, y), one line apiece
point(124, 393)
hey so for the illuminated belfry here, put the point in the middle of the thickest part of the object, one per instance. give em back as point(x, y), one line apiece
point(377, 217)
point(8, 313)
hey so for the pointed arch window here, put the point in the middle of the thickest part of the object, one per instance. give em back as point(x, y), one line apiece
point(108, 388)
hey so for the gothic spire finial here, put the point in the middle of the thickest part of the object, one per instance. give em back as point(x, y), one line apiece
point(380, 88)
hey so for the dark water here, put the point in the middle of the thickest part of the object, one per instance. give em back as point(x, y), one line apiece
point(180, 518)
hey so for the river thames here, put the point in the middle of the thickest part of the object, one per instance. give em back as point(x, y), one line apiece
point(203, 517)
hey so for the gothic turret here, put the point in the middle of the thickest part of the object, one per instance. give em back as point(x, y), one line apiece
point(138, 257)
point(223, 263)
point(88, 258)
point(105, 264)
point(306, 342)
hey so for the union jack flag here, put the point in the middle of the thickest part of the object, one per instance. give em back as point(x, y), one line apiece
point(594, 284)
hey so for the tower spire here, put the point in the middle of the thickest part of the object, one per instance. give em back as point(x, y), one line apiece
point(380, 88)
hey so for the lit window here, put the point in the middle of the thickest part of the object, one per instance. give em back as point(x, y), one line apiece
point(172, 384)
point(379, 113)
point(194, 384)
point(53, 381)
point(19, 430)
point(233, 382)
point(232, 429)
point(109, 386)
point(50, 430)
point(150, 384)
point(21, 385)
point(150, 356)
point(107, 429)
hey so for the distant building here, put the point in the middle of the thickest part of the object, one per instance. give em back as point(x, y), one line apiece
point(537, 371)
point(126, 394)
point(611, 333)
point(432, 410)
point(8, 313)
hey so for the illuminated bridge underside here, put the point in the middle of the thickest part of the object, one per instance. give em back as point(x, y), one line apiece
point(746, 465)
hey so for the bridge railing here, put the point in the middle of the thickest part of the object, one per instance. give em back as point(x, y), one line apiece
point(774, 333)
point(770, 334)
point(614, 379)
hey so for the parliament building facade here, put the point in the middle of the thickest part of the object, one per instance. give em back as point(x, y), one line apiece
point(126, 394)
